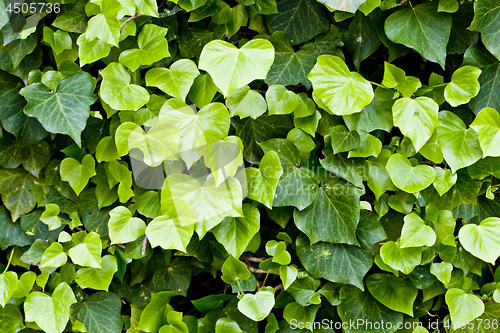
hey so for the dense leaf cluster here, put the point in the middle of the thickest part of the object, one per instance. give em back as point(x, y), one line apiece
point(250, 165)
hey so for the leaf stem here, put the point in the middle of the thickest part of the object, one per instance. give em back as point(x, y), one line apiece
point(8, 264)
point(377, 84)
point(130, 19)
point(239, 286)
point(439, 85)
point(265, 279)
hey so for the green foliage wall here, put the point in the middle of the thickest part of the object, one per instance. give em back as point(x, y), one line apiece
point(250, 165)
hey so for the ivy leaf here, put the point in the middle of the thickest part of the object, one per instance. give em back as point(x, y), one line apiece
point(342, 140)
point(235, 233)
point(442, 271)
point(486, 16)
point(105, 25)
point(423, 29)
point(401, 259)
point(118, 92)
point(51, 313)
point(461, 146)
point(170, 233)
point(333, 216)
point(396, 293)
point(8, 285)
point(78, 175)
point(361, 40)
point(350, 6)
point(488, 80)
point(335, 262)
point(364, 307)
point(415, 233)
point(464, 85)
point(202, 91)
point(54, 256)
point(444, 180)
point(98, 278)
point(416, 118)
point(232, 68)
point(342, 91)
point(487, 126)
point(280, 100)
point(376, 115)
point(407, 177)
point(87, 253)
point(233, 270)
point(301, 20)
point(16, 186)
point(147, 7)
point(124, 228)
point(262, 182)
point(153, 46)
point(90, 51)
point(227, 325)
point(101, 312)
point(72, 18)
point(463, 307)
point(50, 216)
point(64, 111)
point(290, 67)
point(175, 81)
point(59, 40)
point(155, 313)
point(482, 240)
point(258, 306)
point(244, 102)
point(213, 117)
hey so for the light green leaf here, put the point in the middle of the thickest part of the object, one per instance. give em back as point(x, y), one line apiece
point(124, 228)
point(64, 111)
point(376, 115)
point(345, 6)
point(461, 146)
point(486, 18)
point(232, 68)
point(227, 325)
point(342, 140)
point(235, 233)
point(118, 92)
point(444, 180)
point(448, 6)
point(423, 29)
point(415, 233)
point(343, 92)
point(369, 146)
point(233, 270)
point(463, 307)
point(77, 174)
point(333, 216)
point(442, 271)
point(100, 313)
point(396, 78)
point(482, 240)
point(90, 51)
point(8, 285)
point(189, 5)
point(59, 40)
point(288, 274)
point(202, 90)
point(51, 313)
point(50, 218)
point(147, 7)
point(98, 278)
point(416, 118)
point(106, 150)
point(258, 306)
point(280, 100)
point(301, 20)
point(397, 293)
point(175, 81)
point(87, 253)
point(11, 319)
point(262, 182)
point(191, 125)
point(105, 26)
point(170, 232)
point(464, 85)
point(487, 126)
point(54, 256)
point(244, 102)
point(407, 177)
point(159, 144)
point(404, 260)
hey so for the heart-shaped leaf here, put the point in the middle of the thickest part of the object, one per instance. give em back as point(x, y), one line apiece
point(397, 293)
point(233, 270)
point(170, 233)
point(77, 174)
point(54, 256)
point(482, 240)
point(280, 100)
point(463, 307)
point(416, 118)
point(345, 6)
point(124, 228)
point(415, 233)
point(407, 177)
point(487, 126)
point(404, 260)
point(232, 68)
point(8, 285)
point(442, 271)
point(244, 102)
point(258, 306)
point(175, 81)
point(463, 85)
point(87, 253)
point(343, 92)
